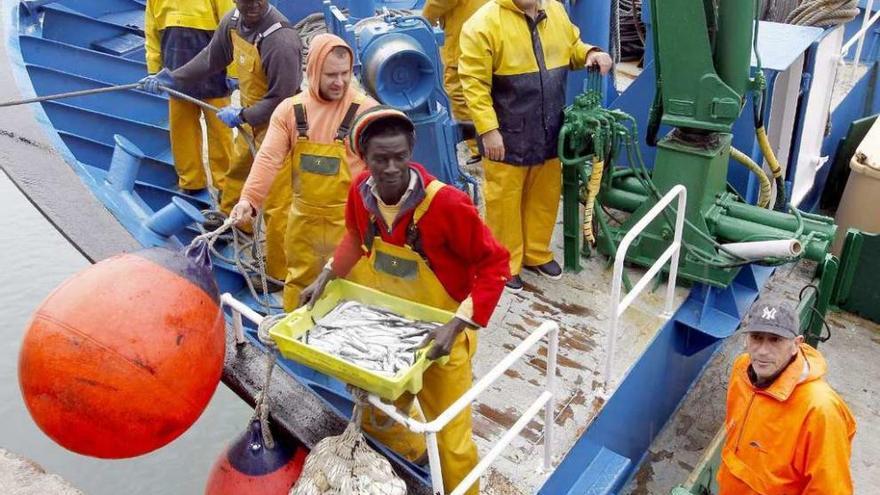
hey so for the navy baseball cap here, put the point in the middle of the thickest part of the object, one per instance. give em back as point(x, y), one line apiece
point(774, 317)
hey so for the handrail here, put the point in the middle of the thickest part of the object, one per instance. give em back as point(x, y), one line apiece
point(238, 309)
point(545, 400)
point(671, 254)
point(860, 35)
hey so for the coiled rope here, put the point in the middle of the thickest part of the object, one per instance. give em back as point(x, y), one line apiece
point(823, 13)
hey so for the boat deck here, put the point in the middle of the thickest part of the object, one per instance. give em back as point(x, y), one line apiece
point(580, 304)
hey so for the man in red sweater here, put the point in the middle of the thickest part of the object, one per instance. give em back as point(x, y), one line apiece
point(409, 235)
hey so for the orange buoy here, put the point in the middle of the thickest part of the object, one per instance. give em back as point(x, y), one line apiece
point(248, 466)
point(124, 356)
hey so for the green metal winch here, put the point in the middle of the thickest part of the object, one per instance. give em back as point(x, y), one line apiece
point(702, 66)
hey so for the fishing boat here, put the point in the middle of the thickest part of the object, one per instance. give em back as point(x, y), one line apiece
point(100, 169)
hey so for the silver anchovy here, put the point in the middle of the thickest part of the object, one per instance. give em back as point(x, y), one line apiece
point(369, 337)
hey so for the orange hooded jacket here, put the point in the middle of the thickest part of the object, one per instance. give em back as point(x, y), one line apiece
point(792, 438)
point(324, 119)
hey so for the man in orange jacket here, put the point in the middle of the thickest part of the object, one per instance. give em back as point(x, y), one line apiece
point(310, 130)
point(788, 432)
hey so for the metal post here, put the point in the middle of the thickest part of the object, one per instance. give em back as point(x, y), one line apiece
point(434, 463)
point(238, 309)
point(859, 35)
point(502, 442)
point(549, 419)
point(869, 7)
point(237, 327)
point(673, 262)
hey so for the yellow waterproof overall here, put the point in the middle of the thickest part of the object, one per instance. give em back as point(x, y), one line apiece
point(185, 130)
point(320, 178)
point(402, 272)
point(253, 85)
point(521, 207)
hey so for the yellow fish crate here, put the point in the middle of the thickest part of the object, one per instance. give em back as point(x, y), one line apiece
point(286, 335)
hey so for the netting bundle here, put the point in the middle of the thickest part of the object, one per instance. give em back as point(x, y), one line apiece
point(346, 465)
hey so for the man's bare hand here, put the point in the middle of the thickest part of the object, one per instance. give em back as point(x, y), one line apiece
point(493, 145)
point(443, 338)
point(310, 295)
point(601, 60)
point(242, 213)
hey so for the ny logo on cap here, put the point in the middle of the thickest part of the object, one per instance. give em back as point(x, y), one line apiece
point(769, 313)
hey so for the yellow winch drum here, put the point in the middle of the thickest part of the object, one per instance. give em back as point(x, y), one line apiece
point(287, 332)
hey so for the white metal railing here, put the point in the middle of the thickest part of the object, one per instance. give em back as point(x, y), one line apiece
point(545, 400)
point(671, 254)
point(238, 309)
point(548, 329)
point(859, 37)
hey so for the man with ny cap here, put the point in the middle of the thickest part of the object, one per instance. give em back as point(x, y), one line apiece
point(788, 432)
point(411, 236)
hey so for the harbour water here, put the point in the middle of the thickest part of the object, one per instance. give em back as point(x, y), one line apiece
point(34, 258)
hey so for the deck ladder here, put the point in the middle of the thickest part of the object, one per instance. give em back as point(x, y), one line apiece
point(545, 401)
point(671, 254)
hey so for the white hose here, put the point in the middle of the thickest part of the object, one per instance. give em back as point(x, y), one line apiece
point(782, 248)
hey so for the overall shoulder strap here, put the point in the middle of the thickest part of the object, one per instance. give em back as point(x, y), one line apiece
point(270, 30)
point(345, 125)
point(302, 120)
point(431, 191)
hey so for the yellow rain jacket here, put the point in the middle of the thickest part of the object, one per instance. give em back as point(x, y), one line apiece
point(791, 438)
point(204, 15)
point(514, 69)
point(175, 33)
point(451, 14)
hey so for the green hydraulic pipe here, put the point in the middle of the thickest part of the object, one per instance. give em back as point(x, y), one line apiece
point(737, 230)
point(733, 42)
point(622, 200)
point(779, 220)
point(631, 184)
point(815, 299)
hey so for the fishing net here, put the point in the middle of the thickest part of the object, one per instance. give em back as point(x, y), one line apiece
point(346, 465)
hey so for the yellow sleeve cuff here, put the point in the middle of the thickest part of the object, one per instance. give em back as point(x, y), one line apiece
point(465, 312)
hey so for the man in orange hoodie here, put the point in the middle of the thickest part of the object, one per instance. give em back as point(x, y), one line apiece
point(311, 128)
point(788, 432)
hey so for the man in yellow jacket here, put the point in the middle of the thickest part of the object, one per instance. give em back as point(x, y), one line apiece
point(175, 32)
point(452, 14)
point(788, 432)
point(311, 129)
point(515, 56)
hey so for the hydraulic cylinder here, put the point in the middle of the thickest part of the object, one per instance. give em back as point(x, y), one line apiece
point(737, 229)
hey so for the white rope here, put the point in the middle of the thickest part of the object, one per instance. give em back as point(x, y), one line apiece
point(241, 243)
